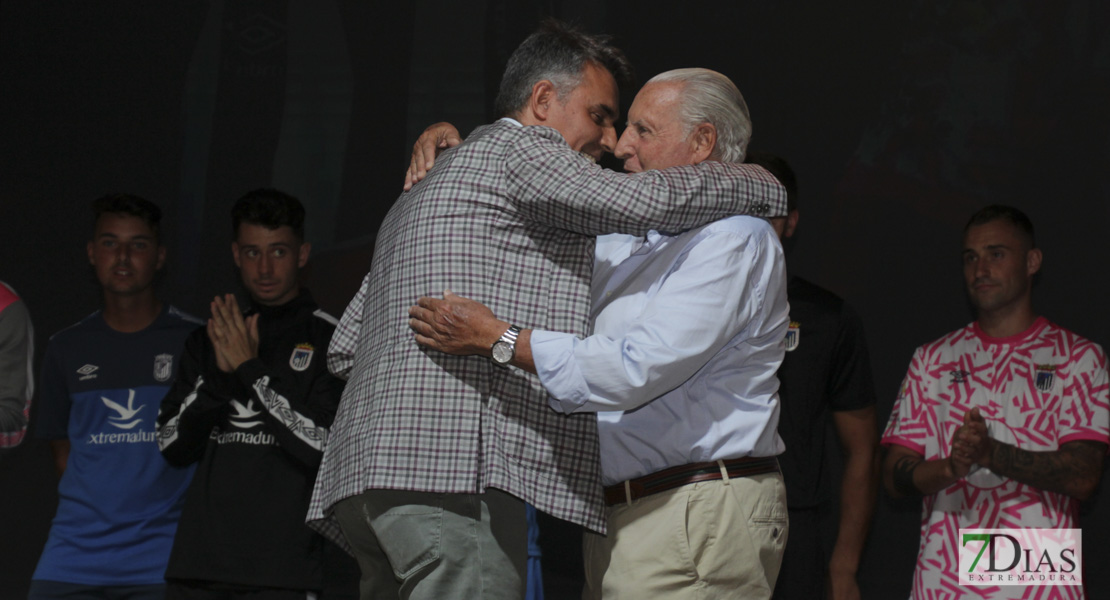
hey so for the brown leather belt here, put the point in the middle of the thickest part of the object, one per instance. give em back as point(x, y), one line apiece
point(686, 474)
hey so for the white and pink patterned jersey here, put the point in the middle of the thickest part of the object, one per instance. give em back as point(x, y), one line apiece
point(1036, 390)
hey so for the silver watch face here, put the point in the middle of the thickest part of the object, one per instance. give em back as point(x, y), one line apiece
point(502, 352)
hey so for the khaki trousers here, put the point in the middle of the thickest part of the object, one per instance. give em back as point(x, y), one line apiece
point(712, 539)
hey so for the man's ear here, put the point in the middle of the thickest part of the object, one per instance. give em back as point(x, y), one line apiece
point(302, 258)
point(703, 141)
point(161, 257)
point(539, 103)
point(235, 254)
point(89, 250)
point(1033, 261)
point(791, 223)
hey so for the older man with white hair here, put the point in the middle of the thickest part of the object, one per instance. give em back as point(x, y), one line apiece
point(688, 333)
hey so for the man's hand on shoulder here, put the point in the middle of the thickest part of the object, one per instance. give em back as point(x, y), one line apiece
point(455, 325)
point(435, 139)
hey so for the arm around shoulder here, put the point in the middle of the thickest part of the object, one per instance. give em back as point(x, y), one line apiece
point(553, 185)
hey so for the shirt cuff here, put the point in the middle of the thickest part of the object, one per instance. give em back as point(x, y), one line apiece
point(897, 440)
point(553, 355)
point(250, 371)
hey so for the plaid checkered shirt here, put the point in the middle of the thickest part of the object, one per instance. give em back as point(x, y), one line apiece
point(507, 218)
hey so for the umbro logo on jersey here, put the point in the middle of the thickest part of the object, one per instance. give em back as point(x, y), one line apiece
point(125, 415)
point(958, 376)
point(87, 372)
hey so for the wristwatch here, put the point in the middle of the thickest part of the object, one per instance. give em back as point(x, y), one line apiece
point(504, 349)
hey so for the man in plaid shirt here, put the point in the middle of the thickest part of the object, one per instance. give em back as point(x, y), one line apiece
point(431, 456)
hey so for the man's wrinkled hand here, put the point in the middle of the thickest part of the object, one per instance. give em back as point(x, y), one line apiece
point(455, 325)
point(435, 139)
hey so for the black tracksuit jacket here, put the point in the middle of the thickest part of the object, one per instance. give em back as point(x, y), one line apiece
point(257, 436)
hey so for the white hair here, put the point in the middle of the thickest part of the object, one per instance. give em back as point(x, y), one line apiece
point(710, 97)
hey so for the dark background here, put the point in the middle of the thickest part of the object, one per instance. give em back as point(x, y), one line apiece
point(900, 118)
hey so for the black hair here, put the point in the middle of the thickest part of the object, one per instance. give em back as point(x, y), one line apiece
point(559, 53)
point(269, 208)
point(129, 204)
point(1015, 217)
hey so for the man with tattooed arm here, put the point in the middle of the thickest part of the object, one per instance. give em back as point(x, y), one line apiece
point(1003, 423)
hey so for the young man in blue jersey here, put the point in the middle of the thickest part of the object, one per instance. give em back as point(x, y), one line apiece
point(252, 405)
point(103, 380)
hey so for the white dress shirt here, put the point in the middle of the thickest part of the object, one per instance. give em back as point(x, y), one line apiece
point(688, 334)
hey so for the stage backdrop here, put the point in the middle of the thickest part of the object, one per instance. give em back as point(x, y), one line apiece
point(900, 118)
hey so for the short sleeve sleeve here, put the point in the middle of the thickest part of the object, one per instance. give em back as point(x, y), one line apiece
point(851, 386)
point(1085, 409)
point(54, 402)
point(904, 427)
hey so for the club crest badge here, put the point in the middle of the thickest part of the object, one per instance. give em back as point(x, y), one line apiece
point(1045, 377)
point(793, 336)
point(958, 376)
point(163, 367)
point(302, 357)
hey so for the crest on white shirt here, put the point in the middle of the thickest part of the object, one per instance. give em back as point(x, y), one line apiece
point(1045, 377)
point(793, 336)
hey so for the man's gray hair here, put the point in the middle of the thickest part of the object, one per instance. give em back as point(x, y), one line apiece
point(709, 97)
point(558, 53)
